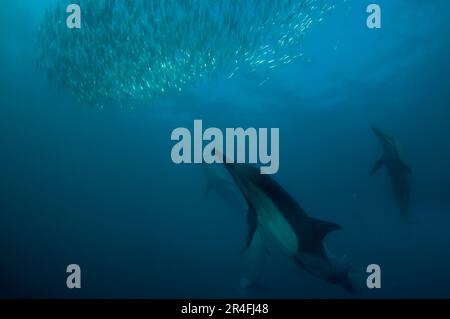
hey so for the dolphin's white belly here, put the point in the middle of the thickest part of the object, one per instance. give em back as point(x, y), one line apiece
point(272, 223)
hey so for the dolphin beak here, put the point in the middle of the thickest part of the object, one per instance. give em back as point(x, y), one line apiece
point(378, 133)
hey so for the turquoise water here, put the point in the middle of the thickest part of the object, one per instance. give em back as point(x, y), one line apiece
point(91, 181)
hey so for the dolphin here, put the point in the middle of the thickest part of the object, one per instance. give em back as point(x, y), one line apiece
point(223, 187)
point(281, 220)
point(399, 173)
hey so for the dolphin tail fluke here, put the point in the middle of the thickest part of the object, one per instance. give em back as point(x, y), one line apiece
point(377, 166)
point(323, 228)
point(345, 281)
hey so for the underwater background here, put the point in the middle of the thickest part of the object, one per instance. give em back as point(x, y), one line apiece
point(96, 186)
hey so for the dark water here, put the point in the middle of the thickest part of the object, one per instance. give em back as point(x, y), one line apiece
point(97, 187)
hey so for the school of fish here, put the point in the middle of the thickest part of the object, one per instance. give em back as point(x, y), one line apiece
point(139, 50)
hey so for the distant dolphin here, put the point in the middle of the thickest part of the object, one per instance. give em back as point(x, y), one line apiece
point(399, 173)
point(280, 219)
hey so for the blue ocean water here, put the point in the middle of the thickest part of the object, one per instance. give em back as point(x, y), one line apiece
point(97, 187)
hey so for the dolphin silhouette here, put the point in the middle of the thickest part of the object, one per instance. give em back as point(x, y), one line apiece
point(399, 173)
point(280, 219)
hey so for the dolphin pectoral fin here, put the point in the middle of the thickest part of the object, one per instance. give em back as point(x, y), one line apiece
point(252, 220)
point(377, 166)
point(208, 189)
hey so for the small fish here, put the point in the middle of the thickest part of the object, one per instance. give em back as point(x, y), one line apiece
point(132, 51)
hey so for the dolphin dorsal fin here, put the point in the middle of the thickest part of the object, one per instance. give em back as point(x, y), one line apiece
point(323, 228)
